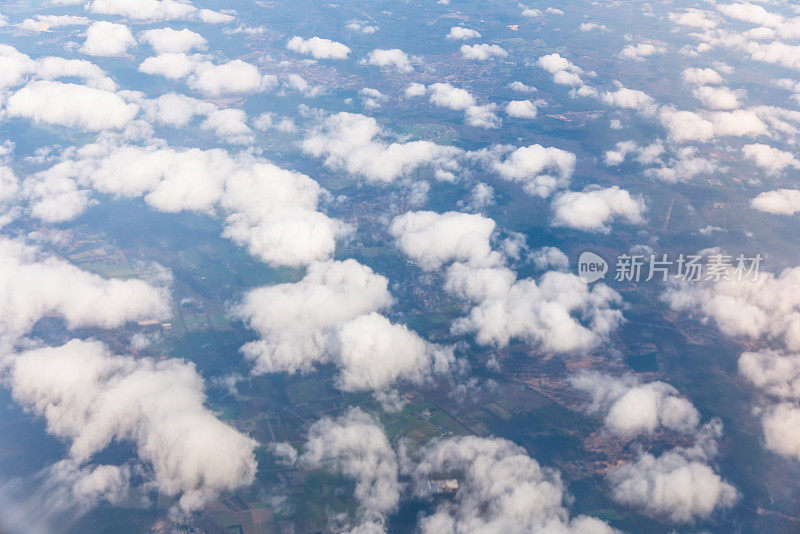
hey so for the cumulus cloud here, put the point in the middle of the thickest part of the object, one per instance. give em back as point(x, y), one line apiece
point(769, 158)
point(679, 485)
point(394, 57)
point(639, 51)
point(107, 39)
point(296, 320)
point(773, 372)
point(779, 202)
point(71, 105)
point(446, 96)
point(459, 32)
point(766, 308)
point(540, 170)
point(560, 313)
point(168, 40)
point(415, 89)
point(353, 143)
point(36, 286)
point(521, 109)
point(685, 126)
point(156, 10)
point(777, 375)
point(482, 52)
point(779, 424)
point(330, 317)
point(695, 18)
point(483, 116)
point(594, 209)
point(376, 353)
point(630, 408)
point(90, 398)
point(482, 195)
point(318, 48)
point(563, 70)
point(356, 446)
point(502, 489)
point(361, 26)
point(41, 23)
point(434, 239)
point(270, 210)
point(704, 76)
point(716, 98)
point(212, 79)
point(634, 99)
point(684, 165)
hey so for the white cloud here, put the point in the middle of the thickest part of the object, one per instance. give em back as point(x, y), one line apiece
point(356, 446)
point(361, 26)
point(780, 424)
point(168, 40)
point(540, 170)
point(685, 126)
point(563, 70)
point(483, 116)
point(90, 398)
point(739, 123)
point(775, 373)
point(521, 87)
point(446, 96)
point(620, 152)
point(156, 10)
point(376, 353)
point(318, 48)
point(694, 18)
point(330, 317)
point(769, 158)
point(41, 23)
point(685, 165)
point(630, 99)
point(107, 39)
point(353, 142)
point(767, 308)
point(631, 408)
point(716, 98)
point(559, 314)
point(677, 486)
point(482, 195)
point(415, 89)
point(433, 239)
point(639, 51)
point(594, 210)
point(545, 315)
point(267, 121)
point(36, 286)
point(71, 105)
point(231, 77)
point(298, 321)
point(704, 76)
point(521, 109)
point(779, 202)
point(482, 52)
point(52, 68)
point(549, 258)
point(502, 490)
point(270, 210)
point(589, 26)
point(459, 32)
point(389, 58)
